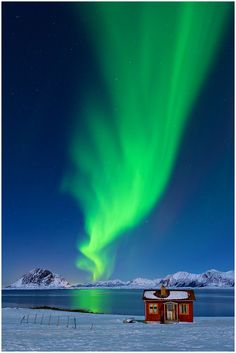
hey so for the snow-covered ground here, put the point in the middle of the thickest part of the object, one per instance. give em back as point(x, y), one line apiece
point(97, 332)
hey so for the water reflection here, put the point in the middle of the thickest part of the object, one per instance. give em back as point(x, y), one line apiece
point(214, 302)
point(94, 300)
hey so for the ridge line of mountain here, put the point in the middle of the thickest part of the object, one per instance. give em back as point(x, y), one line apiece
point(44, 279)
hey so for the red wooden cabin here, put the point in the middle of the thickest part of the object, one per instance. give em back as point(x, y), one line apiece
point(168, 305)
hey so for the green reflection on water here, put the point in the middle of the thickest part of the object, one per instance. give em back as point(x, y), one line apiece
point(94, 300)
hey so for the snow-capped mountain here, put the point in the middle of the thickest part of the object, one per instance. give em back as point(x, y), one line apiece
point(116, 283)
point(44, 279)
point(210, 278)
point(40, 279)
point(144, 283)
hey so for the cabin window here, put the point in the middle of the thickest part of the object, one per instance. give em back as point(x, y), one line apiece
point(184, 309)
point(152, 308)
point(169, 306)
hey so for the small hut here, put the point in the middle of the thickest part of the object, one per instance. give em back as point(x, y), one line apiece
point(168, 305)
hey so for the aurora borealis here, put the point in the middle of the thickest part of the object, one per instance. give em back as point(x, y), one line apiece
point(118, 138)
point(153, 66)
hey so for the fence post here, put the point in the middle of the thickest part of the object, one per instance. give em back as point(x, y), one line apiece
point(75, 322)
point(58, 320)
point(35, 318)
point(42, 319)
point(49, 321)
point(68, 321)
point(22, 319)
point(27, 319)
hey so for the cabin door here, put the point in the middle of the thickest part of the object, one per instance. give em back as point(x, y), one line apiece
point(171, 312)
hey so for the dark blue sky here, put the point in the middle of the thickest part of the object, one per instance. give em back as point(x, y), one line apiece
point(48, 64)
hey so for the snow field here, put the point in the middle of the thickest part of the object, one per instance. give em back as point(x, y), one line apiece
point(98, 332)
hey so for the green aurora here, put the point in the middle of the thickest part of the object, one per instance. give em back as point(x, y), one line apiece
point(153, 58)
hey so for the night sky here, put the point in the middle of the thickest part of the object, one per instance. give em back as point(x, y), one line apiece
point(50, 67)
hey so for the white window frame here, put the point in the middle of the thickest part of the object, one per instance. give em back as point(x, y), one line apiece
point(152, 308)
point(182, 310)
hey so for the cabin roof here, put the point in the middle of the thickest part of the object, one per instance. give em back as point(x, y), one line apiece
point(171, 294)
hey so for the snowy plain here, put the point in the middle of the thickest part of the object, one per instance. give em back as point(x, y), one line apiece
point(100, 332)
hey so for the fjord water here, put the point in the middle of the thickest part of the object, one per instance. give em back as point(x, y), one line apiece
point(209, 302)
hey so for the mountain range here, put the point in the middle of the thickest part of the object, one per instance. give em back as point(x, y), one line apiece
point(210, 278)
point(45, 279)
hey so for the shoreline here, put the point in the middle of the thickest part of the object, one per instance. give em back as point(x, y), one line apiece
point(82, 311)
point(45, 307)
point(132, 288)
point(52, 308)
